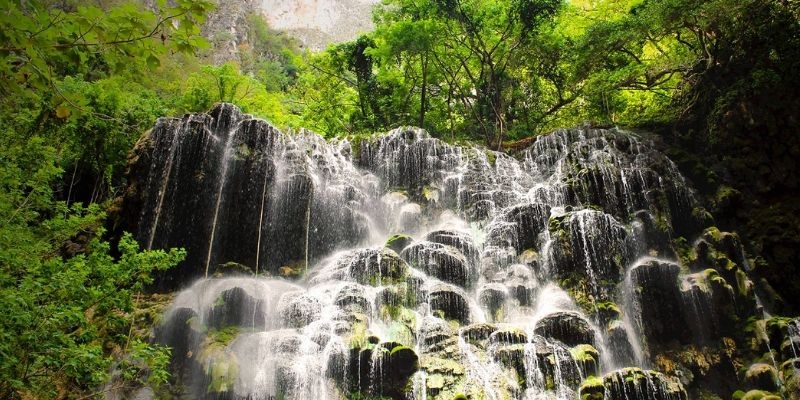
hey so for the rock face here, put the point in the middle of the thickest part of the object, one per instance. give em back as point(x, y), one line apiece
point(430, 270)
point(228, 187)
point(635, 384)
point(319, 23)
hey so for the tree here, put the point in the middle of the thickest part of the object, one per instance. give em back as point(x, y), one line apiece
point(46, 40)
point(72, 94)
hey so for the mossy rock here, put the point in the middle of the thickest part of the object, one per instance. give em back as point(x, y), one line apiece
point(398, 242)
point(608, 311)
point(635, 384)
point(222, 375)
point(587, 357)
point(592, 388)
point(232, 269)
point(763, 377)
point(223, 336)
point(508, 335)
point(759, 395)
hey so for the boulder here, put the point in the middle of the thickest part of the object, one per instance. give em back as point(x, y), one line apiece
point(458, 240)
point(519, 226)
point(383, 370)
point(569, 328)
point(521, 283)
point(656, 292)
point(441, 261)
point(377, 266)
point(493, 298)
point(398, 242)
point(353, 297)
point(435, 334)
point(763, 377)
point(589, 251)
point(633, 384)
point(299, 309)
point(450, 302)
point(235, 307)
point(478, 334)
point(588, 359)
point(508, 335)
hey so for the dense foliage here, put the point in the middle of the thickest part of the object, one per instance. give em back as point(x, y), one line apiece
point(82, 80)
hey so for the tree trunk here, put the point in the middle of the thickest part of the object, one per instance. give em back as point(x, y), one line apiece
point(423, 99)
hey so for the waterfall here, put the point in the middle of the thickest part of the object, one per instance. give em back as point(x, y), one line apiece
point(422, 270)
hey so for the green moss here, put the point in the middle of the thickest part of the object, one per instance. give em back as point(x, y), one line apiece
point(584, 353)
point(398, 242)
point(686, 253)
point(592, 388)
point(743, 283)
point(358, 335)
point(491, 157)
point(713, 233)
point(608, 310)
point(430, 194)
point(223, 336)
point(755, 395)
point(222, 374)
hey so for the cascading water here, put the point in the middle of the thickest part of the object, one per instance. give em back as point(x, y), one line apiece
point(502, 277)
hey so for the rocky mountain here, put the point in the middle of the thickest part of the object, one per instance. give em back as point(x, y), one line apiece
point(315, 23)
point(318, 23)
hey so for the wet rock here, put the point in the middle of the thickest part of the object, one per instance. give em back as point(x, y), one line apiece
point(458, 240)
point(435, 334)
point(709, 305)
point(567, 327)
point(375, 266)
point(398, 242)
point(478, 333)
point(383, 370)
point(182, 331)
point(655, 284)
point(410, 216)
point(450, 302)
point(633, 384)
point(508, 335)
point(511, 356)
point(493, 299)
point(588, 359)
point(519, 226)
point(231, 269)
point(619, 343)
point(790, 371)
point(763, 377)
point(406, 157)
point(590, 249)
point(235, 307)
point(758, 395)
point(615, 171)
point(556, 368)
point(652, 236)
point(352, 297)
point(441, 261)
point(299, 310)
point(521, 284)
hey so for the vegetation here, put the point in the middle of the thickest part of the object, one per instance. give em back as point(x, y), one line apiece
point(80, 81)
